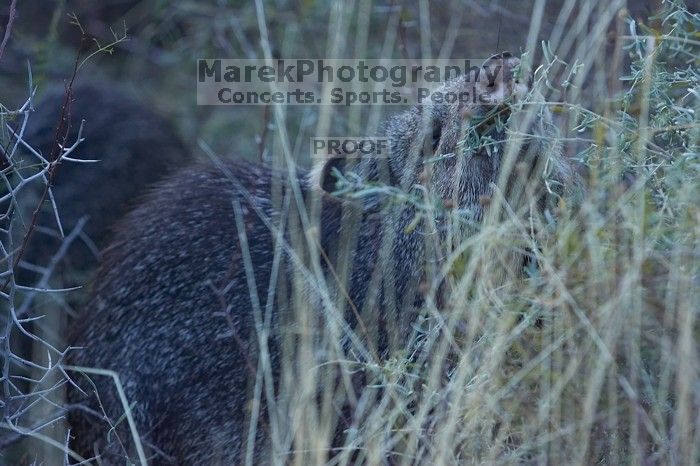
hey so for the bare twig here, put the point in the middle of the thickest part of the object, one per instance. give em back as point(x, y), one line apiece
point(8, 29)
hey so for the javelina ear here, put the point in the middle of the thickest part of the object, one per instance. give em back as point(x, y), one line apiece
point(329, 179)
point(505, 61)
point(322, 177)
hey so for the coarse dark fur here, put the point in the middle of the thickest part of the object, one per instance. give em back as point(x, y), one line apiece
point(134, 146)
point(173, 313)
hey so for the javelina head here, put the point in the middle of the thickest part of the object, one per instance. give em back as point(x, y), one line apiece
point(452, 146)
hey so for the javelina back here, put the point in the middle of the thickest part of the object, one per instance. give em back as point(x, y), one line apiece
point(180, 301)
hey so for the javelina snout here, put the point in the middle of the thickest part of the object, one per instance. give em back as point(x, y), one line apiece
point(503, 80)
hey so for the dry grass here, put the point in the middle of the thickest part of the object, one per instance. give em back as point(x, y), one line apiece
point(590, 358)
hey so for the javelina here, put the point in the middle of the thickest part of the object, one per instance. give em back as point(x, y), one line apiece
point(183, 299)
point(134, 147)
